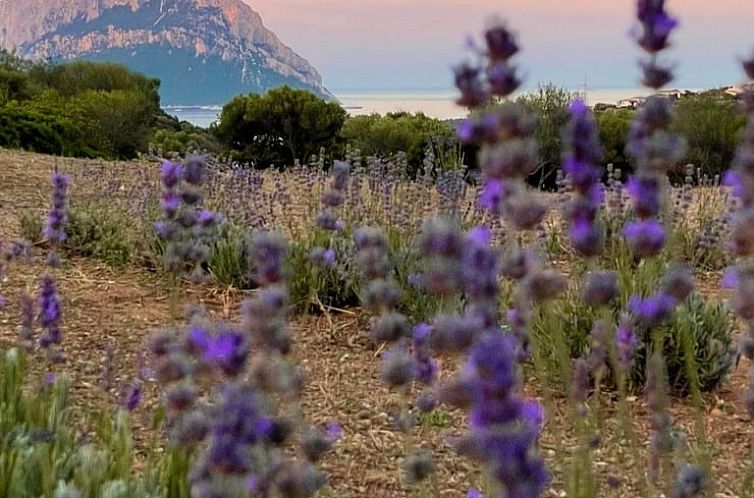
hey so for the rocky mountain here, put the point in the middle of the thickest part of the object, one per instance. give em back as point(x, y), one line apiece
point(204, 51)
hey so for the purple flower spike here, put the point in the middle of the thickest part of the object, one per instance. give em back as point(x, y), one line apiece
point(748, 65)
point(133, 396)
point(468, 80)
point(334, 430)
point(171, 174)
point(645, 192)
point(645, 238)
point(501, 43)
point(653, 310)
point(228, 351)
point(657, 25)
point(626, 343)
point(54, 230)
point(474, 493)
point(49, 312)
point(322, 257)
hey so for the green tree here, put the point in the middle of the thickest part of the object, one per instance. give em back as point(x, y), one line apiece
point(711, 123)
point(123, 120)
point(614, 125)
point(73, 78)
point(376, 135)
point(549, 104)
point(280, 127)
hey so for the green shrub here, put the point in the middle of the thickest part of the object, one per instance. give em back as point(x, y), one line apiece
point(334, 286)
point(101, 232)
point(395, 133)
point(280, 127)
point(42, 452)
point(708, 325)
point(229, 258)
point(31, 227)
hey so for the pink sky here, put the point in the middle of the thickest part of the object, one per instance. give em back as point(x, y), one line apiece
point(413, 44)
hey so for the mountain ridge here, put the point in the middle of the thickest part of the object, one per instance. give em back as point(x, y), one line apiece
point(204, 51)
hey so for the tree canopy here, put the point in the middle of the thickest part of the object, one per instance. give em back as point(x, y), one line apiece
point(279, 127)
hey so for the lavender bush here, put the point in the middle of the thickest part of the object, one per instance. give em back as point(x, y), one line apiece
point(487, 300)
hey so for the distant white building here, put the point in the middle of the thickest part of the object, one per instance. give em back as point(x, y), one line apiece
point(631, 103)
point(738, 90)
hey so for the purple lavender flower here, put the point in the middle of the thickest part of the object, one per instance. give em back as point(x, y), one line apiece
point(645, 192)
point(133, 396)
point(171, 174)
point(480, 266)
point(626, 343)
point(426, 366)
point(656, 23)
point(654, 309)
point(690, 483)
point(748, 65)
point(600, 288)
point(192, 171)
point(580, 164)
point(54, 230)
point(49, 312)
point(319, 256)
point(228, 351)
point(645, 238)
point(502, 435)
point(268, 251)
point(399, 368)
point(468, 80)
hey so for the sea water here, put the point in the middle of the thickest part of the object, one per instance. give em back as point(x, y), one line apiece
point(435, 103)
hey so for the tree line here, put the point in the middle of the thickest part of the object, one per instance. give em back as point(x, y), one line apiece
point(89, 109)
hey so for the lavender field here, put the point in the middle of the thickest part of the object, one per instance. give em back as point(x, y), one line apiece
point(194, 328)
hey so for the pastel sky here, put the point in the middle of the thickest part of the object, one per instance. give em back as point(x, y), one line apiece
point(406, 44)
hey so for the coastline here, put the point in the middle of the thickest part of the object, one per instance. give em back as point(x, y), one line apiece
point(434, 103)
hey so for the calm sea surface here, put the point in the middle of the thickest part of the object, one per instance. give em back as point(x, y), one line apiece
point(438, 104)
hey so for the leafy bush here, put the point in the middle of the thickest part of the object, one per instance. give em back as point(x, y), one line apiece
point(100, 232)
point(41, 448)
point(711, 123)
point(549, 104)
point(334, 286)
point(708, 325)
point(614, 125)
point(709, 328)
point(394, 133)
point(29, 130)
point(280, 127)
point(31, 227)
point(229, 259)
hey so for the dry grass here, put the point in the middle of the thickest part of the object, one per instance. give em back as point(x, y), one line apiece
point(122, 308)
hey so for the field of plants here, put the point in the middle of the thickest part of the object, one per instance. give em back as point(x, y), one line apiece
point(197, 329)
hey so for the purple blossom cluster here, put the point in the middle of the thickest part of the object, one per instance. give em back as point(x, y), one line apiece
point(334, 196)
point(504, 428)
point(741, 243)
point(185, 226)
point(654, 149)
point(240, 435)
point(581, 164)
point(54, 230)
point(508, 153)
point(49, 319)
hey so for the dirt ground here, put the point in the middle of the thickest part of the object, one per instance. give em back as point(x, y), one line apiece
point(102, 307)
